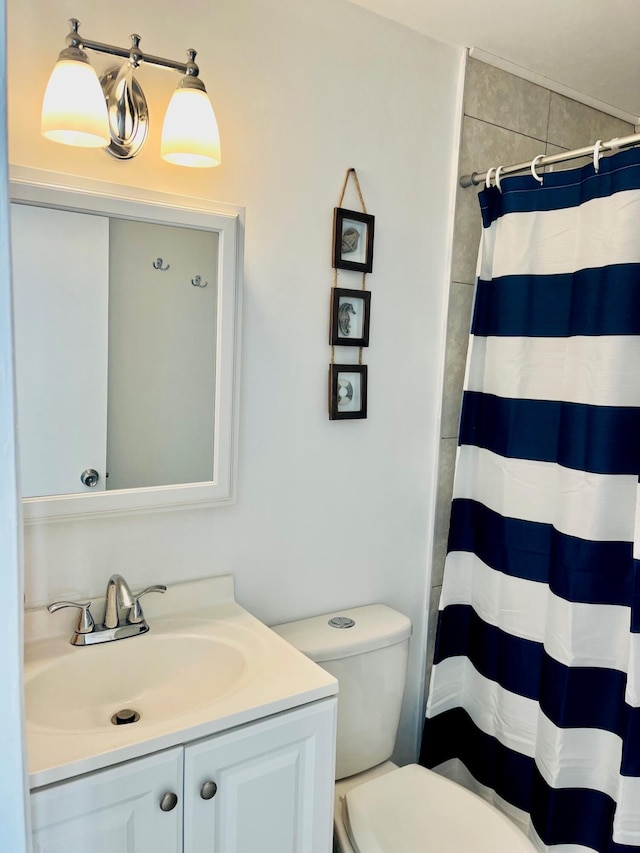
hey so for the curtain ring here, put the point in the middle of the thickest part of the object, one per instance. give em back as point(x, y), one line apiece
point(597, 155)
point(534, 162)
point(487, 180)
point(498, 170)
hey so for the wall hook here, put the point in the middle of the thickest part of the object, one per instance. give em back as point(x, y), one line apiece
point(197, 282)
point(157, 265)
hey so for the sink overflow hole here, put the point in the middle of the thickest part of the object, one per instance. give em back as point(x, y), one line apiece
point(124, 717)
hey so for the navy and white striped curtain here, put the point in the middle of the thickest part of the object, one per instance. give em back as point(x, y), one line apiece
point(535, 692)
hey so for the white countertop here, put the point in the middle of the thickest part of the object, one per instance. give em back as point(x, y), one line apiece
point(275, 678)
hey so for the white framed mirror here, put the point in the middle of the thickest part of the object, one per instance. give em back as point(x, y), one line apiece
point(127, 333)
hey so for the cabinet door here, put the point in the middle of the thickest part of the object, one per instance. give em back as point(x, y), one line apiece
point(60, 263)
point(274, 784)
point(112, 811)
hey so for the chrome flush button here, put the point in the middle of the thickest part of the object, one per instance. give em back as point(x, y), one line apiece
point(341, 622)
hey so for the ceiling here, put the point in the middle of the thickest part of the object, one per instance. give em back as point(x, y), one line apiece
point(590, 46)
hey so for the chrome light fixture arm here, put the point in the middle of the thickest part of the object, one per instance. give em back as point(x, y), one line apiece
point(134, 54)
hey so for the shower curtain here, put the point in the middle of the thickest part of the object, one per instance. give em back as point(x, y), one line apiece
point(535, 690)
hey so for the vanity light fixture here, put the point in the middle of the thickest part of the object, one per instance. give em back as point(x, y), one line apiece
point(111, 111)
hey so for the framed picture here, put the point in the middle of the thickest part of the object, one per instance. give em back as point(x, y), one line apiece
point(350, 317)
point(347, 391)
point(352, 240)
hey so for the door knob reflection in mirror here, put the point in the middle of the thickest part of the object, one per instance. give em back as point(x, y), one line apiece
point(89, 477)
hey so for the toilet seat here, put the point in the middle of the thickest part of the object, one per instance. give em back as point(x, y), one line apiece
point(415, 810)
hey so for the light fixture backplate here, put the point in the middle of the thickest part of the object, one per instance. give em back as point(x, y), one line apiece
point(128, 114)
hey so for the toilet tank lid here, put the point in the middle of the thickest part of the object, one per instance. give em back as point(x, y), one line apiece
point(376, 626)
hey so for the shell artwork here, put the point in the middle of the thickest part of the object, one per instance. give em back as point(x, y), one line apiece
point(344, 318)
point(345, 392)
point(350, 240)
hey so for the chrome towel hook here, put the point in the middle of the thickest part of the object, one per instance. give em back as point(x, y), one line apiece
point(197, 282)
point(157, 265)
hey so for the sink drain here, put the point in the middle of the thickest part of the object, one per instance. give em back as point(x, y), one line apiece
point(124, 717)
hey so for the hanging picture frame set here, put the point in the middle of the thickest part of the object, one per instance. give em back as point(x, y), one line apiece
point(350, 309)
point(350, 312)
point(347, 391)
point(353, 240)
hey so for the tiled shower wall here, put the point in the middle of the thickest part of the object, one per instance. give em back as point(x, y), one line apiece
point(506, 120)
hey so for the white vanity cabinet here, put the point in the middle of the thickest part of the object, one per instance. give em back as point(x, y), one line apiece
point(112, 811)
point(272, 792)
point(274, 786)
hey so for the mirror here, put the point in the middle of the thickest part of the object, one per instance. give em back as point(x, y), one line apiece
point(126, 326)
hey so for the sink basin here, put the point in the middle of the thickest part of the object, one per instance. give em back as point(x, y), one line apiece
point(205, 666)
point(161, 676)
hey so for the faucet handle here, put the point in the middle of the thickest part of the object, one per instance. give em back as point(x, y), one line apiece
point(135, 614)
point(85, 620)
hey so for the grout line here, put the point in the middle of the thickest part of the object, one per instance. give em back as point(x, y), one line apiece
point(508, 129)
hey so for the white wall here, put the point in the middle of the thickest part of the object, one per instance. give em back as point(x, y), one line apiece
point(329, 514)
point(13, 813)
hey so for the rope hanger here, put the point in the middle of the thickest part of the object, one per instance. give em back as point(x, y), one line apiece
point(350, 173)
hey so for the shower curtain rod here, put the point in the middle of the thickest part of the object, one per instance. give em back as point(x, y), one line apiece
point(612, 145)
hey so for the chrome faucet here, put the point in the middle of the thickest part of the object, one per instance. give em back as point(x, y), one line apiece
point(123, 616)
point(117, 595)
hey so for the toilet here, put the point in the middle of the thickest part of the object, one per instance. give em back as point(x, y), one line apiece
point(380, 807)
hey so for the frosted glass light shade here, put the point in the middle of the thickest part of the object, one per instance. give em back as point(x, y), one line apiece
point(190, 135)
point(74, 110)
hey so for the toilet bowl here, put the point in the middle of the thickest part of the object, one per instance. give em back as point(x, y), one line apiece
point(379, 807)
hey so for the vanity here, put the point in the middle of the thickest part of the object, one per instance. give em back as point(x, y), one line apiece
point(207, 733)
point(233, 750)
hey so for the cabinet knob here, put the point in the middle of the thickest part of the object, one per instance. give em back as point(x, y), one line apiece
point(169, 801)
point(208, 790)
point(89, 477)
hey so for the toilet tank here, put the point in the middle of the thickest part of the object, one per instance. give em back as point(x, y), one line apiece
point(366, 649)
